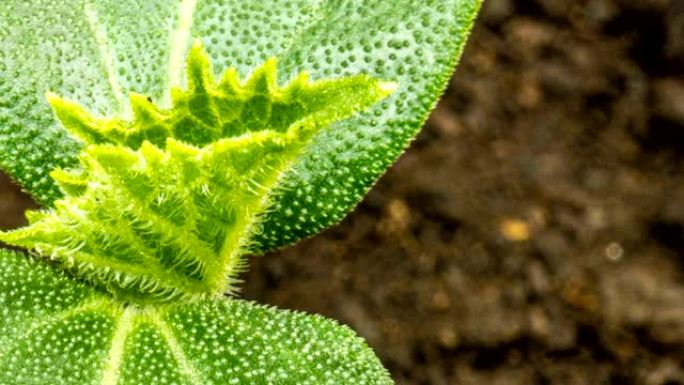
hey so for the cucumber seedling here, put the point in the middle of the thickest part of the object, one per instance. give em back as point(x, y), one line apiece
point(167, 140)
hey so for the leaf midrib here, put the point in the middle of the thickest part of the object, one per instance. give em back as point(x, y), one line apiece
point(105, 52)
point(128, 320)
point(178, 42)
point(112, 365)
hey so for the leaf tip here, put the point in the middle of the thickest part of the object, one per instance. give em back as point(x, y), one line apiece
point(52, 97)
point(199, 72)
point(143, 108)
point(387, 88)
point(76, 119)
point(264, 78)
point(60, 106)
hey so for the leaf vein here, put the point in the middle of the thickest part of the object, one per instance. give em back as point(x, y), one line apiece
point(105, 51)
point(112, 368)
point(178, 41)
point(186, 367)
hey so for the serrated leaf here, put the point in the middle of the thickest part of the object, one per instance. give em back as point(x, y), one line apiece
point(165, 205)
point(56, 331)
point(96, 52)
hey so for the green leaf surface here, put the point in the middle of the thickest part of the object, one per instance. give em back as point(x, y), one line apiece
point(56, 331)
point(97, 52)
point(165, 206)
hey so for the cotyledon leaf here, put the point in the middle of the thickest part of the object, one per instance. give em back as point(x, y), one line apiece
point(95, 52)
point(165, 205)
point(57, 331)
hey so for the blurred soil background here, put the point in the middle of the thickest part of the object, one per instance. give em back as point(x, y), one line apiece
point(534, 232)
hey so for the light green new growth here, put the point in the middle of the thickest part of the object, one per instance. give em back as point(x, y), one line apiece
point(98, 51)
point(164, 206)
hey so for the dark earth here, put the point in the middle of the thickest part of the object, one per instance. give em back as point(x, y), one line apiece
point(534, 232)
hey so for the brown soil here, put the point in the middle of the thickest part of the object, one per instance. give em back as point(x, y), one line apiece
point(534, 232)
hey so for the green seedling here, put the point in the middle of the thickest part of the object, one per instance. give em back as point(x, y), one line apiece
point(167, 141)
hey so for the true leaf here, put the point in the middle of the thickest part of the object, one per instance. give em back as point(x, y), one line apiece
point(97, 52)
point(54, 330)
point(164, 206)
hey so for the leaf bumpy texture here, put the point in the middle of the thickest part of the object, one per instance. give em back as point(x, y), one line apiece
point(97, 52)
point(164, 206)
point(58, 332)
point(152, 201)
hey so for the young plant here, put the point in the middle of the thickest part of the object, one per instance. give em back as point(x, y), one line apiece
point(152, 202)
